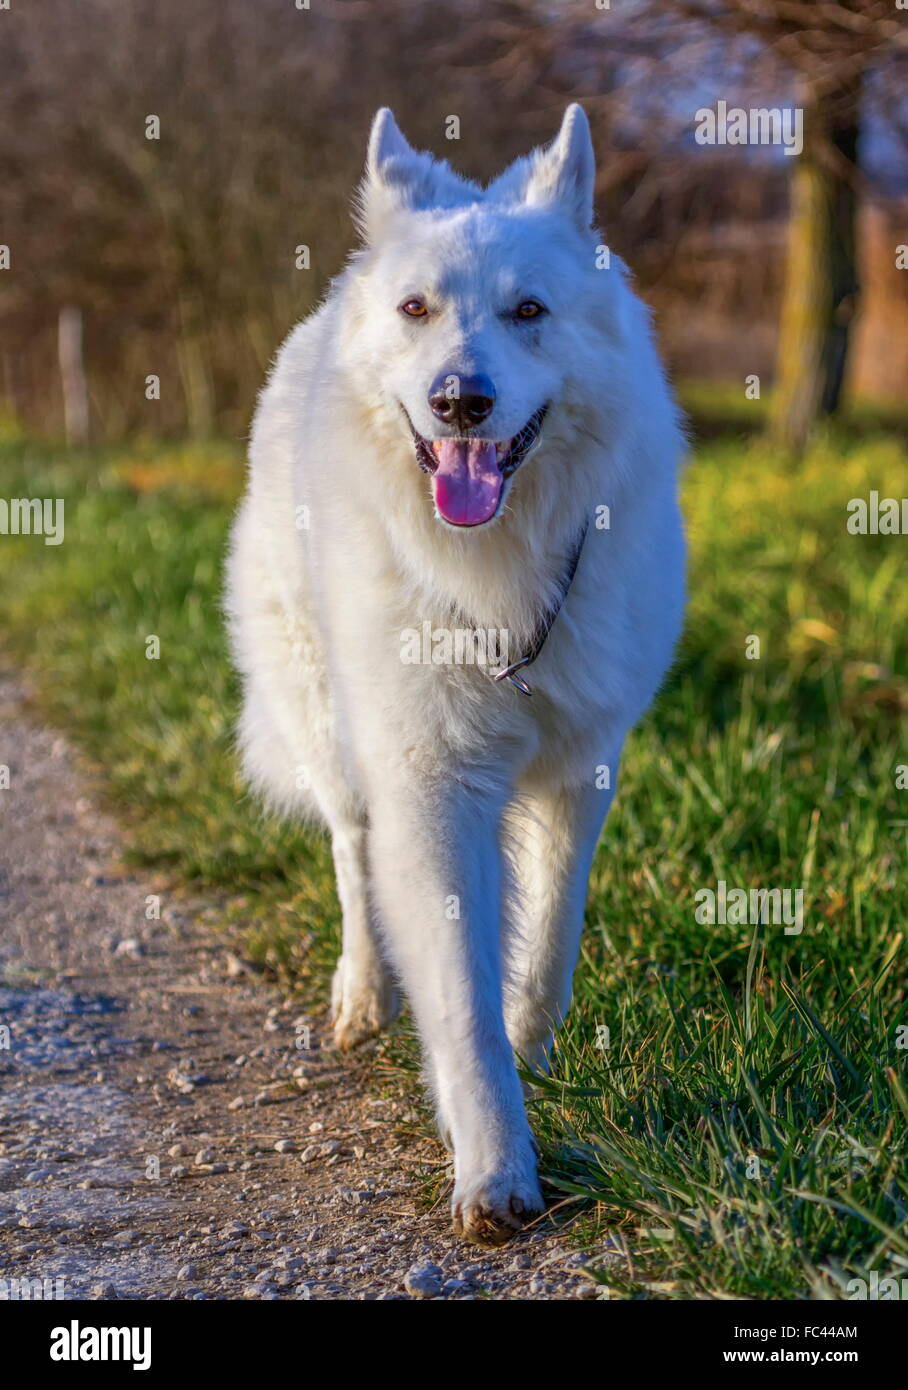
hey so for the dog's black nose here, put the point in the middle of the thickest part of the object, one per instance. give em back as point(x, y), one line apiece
point(462, 401)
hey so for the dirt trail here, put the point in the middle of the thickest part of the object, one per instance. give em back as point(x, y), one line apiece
point(162, 1135)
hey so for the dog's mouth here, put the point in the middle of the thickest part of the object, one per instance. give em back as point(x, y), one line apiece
point(468, 475)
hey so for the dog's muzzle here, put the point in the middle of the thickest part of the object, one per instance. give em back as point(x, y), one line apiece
point(468, 473)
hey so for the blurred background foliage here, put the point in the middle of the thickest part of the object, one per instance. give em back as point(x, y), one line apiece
point(177, 256)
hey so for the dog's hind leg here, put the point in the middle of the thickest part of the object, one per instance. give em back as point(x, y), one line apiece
point(363, 996)
point(550, 838)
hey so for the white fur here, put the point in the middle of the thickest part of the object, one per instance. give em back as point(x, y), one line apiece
point(440, 787)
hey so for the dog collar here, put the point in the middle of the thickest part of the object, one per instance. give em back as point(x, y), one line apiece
point(547, 622)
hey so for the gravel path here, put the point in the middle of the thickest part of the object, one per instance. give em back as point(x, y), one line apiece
point(162, 1133)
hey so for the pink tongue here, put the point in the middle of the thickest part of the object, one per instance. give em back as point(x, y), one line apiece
point(467, 481)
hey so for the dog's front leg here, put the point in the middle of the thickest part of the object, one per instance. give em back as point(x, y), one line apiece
point(436, 869)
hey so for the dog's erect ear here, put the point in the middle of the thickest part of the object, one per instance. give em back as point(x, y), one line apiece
point(565, 171)
point(385, 143)
point(397, 176)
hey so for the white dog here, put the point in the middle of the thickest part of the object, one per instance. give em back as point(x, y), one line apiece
point(473, 434)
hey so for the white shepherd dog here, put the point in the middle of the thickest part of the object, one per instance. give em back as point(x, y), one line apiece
point(473, 432)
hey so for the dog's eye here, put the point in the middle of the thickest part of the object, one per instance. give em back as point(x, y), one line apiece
point(529, 309)
point(414, 308)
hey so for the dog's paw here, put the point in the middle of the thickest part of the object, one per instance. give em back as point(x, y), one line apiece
point(490, 1210)
point(360, 1009)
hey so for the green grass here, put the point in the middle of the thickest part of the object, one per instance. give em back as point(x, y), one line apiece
point(743, 1134)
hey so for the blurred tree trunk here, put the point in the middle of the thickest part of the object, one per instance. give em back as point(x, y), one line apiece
point(72, 376)
point(194, 361)
point(821, 284)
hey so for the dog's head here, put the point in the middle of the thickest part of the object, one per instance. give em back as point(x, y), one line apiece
point(476, 309)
